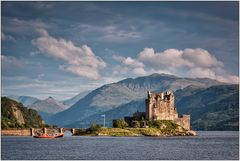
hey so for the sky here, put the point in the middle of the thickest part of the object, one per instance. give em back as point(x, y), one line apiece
point(60, 49)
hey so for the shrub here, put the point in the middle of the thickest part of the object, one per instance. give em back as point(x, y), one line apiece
point(120, 123)
point(94, 127)
point(135, 124)
point(162, 124)
point(80, 131)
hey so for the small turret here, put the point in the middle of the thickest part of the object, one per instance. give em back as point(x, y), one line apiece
point(162, 95)
point(149, 94)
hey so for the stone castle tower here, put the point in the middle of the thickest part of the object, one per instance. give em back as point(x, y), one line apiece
point(160, 106)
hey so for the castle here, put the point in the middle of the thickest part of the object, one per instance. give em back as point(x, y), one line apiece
point(160, 106)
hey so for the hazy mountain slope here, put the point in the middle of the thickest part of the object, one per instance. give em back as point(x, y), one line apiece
point(113, 95)
point(116, 113)
point(73, 100)
point(15, 115)
point(25, 100)
point(45, 116)
point(49, 105)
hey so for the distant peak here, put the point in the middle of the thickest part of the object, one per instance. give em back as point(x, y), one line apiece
point(50, 98)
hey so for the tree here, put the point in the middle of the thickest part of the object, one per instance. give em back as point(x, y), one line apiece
point(120, 123)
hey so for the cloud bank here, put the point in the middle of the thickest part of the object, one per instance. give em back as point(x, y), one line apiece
point(10, 61)
point(196, 63)
point(109, 33)
point(77, 60)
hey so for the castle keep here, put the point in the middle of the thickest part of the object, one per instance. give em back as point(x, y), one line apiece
point(160, 106)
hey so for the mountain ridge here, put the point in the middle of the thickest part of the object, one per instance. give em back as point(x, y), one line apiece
point(219, 114)
point(48, 105)
point(112, 95)
point(69, 102)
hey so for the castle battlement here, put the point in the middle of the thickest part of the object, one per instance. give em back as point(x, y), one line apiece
point(160, 106)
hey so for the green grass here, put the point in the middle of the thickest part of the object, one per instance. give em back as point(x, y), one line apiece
point(156, 128)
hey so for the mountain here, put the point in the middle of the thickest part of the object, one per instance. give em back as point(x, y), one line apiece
point(213, 108)
point(45, 107)
point(25, 100)
point(120, 112)
point(49, 105)
point(111, 96)
point(15, 115)
point(73, 100)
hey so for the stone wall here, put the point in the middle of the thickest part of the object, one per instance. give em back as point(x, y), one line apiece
point(17, 132)
point(184, 121)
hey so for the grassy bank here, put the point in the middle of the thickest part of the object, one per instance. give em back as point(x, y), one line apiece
point(160, 128)
point(134, 132)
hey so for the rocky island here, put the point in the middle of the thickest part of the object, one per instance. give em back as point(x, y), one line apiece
point(160, 119)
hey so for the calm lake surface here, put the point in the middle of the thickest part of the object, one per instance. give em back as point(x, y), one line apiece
point(208, 145)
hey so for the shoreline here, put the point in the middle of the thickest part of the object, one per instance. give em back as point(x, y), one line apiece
point(135, 132)
point(115, 132)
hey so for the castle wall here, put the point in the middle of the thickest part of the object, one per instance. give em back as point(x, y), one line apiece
point(184, 121)
point(160, 106)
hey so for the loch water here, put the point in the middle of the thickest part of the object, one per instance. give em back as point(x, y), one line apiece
point(208, 145)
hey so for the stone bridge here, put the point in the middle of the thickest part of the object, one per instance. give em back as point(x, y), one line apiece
point(34, 131)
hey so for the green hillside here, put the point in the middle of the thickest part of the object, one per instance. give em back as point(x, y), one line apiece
point(15, 115)
point(214, 108)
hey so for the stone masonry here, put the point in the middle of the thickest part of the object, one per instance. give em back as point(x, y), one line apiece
point(160, 106)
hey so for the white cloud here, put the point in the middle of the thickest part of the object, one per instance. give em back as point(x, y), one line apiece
point(201, 72)
point(201, 58)
point(128, 65)
point(5, 37)
point(186, 63)
point(78, 60)
point(132, 63)
point(170, 57)
point(228, 78)
point(139, 71)
point(179, 58)
point(41, 31)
